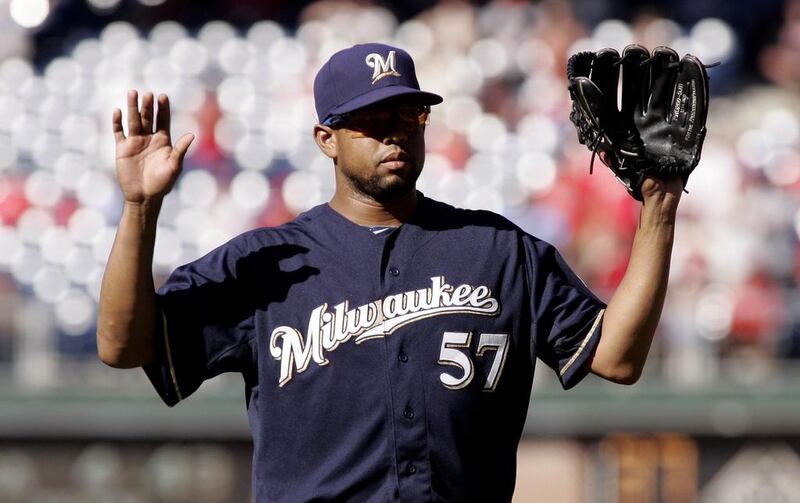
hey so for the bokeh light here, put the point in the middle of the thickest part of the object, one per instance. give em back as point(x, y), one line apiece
point(214, 34)
point(250, 190)
point(75, 311)
point(301, 191)
point(29, 13)
point(713, 40)
point(18, 474)
point(50, 283)
point(169, 471)
point(536, 171)
point(10, 244)
point(99, 467)
point(166, 35)
point(188, 57)
point(55, 243)
point(8, 154)
point(198, 188)
point(85, 224)
point(613, 33)
point(168, 249)
point(487, 132)
point(103, 6)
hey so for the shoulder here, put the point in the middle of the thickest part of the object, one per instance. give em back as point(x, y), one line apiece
point(296, 231)
point(257, 243)
point(249, 253)
point(445, 215)
point(495, 232)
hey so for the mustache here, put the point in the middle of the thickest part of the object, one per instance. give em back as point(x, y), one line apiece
point(396, 155)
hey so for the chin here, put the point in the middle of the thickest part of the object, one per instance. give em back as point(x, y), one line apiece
point(394, 191)
point(383, 185)
point(388, 188)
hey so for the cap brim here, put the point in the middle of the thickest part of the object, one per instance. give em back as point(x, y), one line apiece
point(385, 93)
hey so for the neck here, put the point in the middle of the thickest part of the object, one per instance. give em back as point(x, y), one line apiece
point(363, 210)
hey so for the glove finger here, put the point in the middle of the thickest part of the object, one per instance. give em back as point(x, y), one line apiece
point(605, 75)
point(579, 65)
point(690, 105)
point(635, 81)
point(663, 74)
point(593, 103)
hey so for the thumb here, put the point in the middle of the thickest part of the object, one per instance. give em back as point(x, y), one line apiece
point(182, 145)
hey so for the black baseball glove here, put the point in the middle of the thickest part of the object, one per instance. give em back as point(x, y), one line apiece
point(659, 127)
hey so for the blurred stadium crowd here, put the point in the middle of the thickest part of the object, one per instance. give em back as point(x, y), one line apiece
point(502, 140)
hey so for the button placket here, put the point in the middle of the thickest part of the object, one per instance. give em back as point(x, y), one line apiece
point(409, 414)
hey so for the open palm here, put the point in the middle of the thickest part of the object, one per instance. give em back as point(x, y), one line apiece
point(147, 163)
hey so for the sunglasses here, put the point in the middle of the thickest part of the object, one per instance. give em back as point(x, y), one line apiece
point(404, 117)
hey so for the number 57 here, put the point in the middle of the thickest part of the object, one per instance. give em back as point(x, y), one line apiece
point(452, 354)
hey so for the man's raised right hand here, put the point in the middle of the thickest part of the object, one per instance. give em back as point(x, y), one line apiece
point(147, 163)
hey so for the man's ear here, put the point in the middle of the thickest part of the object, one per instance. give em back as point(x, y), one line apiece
point(326, 140)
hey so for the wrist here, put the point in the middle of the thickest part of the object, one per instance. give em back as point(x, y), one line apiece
point(143, 213)
point(656, 223)
point(145, 206)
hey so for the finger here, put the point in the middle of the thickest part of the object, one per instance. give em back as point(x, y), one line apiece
point(147, 113)
point(116, 125)
point(182, 145)
point(163, 116)
point(134, 120)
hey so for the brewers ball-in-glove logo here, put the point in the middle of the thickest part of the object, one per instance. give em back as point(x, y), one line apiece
point(659, 127)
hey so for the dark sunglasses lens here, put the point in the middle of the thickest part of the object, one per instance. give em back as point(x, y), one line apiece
point(412, 116)
point(405, 117)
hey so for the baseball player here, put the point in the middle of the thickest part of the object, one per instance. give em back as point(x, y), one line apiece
point(387, 341)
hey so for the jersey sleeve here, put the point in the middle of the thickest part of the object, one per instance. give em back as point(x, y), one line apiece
point(207, 327)
point(566, 315)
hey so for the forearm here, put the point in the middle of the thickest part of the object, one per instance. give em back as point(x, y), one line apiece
point(127, 311)
point(634, 311)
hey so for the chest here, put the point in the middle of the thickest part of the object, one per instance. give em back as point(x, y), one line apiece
point(452, 313)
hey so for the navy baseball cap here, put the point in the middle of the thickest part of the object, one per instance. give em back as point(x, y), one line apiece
point(365, 74)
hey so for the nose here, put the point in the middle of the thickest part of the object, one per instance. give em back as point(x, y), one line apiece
point(395, 135)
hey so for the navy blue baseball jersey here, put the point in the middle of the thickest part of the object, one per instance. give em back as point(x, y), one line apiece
point(388, 365)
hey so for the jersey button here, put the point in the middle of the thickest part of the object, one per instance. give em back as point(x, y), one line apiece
point(412, 469)
point(394, 271)
point(402, 357)
point(408, 413)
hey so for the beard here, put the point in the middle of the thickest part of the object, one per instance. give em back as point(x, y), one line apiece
point(384, 188)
